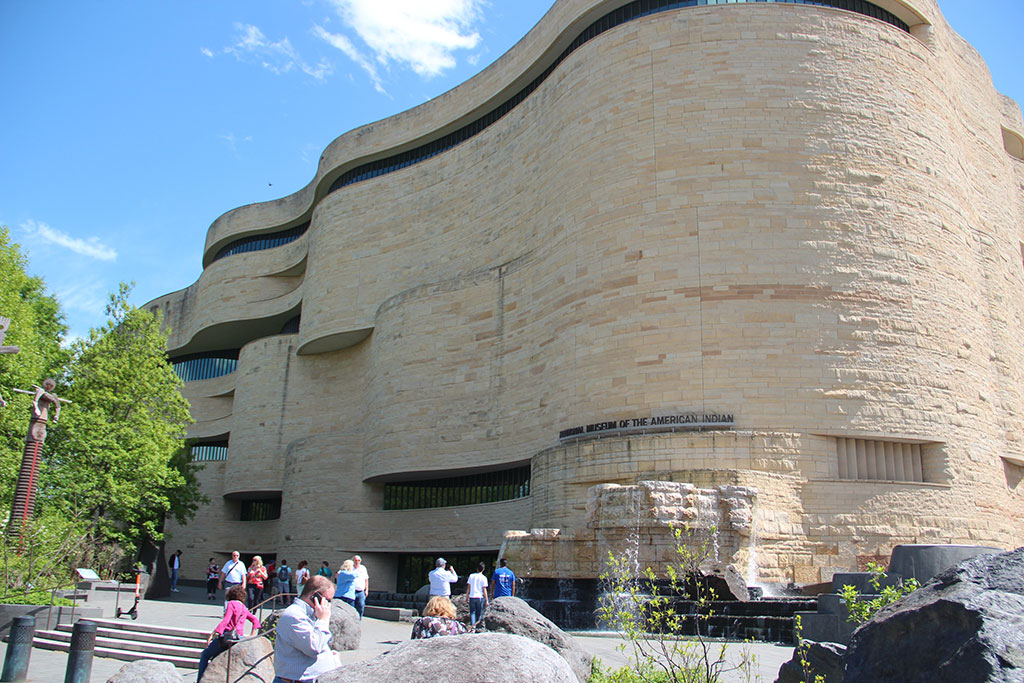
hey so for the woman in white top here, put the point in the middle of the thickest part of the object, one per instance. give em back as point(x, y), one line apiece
point(301, 576)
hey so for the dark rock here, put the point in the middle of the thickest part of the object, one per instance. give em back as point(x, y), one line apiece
point(251, 661)
point(922, 562)
point(461, 603)
point(512, 615)
point(965, 625)
point(346, 629)
point(724, 580)
point(823, 659)
point(146, 671)
point(472, 658)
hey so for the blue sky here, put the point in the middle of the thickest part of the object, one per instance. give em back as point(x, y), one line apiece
point(127, 127)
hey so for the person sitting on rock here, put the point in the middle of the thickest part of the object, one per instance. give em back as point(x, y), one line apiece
point(233, 623)
point(438, 620)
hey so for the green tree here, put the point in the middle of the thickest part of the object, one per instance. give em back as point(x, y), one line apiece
point(37, 327)
point(117, 457)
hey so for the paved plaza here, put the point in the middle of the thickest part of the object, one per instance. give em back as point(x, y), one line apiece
point(190, 609)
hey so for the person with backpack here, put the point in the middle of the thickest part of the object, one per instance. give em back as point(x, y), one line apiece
point(284, 578)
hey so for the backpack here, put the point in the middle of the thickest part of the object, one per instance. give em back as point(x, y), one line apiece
point(283, 573)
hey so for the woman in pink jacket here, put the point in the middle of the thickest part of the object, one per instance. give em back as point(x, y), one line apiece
point(233, 624)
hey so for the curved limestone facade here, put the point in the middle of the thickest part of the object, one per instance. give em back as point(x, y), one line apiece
point(765, 247)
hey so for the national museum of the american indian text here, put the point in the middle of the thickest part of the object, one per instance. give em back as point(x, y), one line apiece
point(750, 266)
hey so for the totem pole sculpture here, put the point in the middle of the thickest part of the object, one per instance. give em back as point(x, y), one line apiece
point(4, 324)
point(24, 503)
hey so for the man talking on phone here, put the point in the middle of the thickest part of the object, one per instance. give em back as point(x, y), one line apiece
point(302, 651)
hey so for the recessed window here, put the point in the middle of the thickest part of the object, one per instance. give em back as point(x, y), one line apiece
point(260, 242)
point(210, 451)
point(871, 459)
point(206, 365)
point(486, 487)
point(260, 510)
point(629, 12)
point(1013, 144)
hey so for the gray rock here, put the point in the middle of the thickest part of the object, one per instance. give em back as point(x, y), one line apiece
point(252, 661)
point(724, 580)
point(965, 625)
point(461, 602)
point(146, 671)
point(472, 658)
point(513, 615)
point(823, 659)
point(346, 629)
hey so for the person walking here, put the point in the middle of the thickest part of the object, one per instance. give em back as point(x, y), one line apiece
point(362, 585)
point(256, 577)
point(232, 574)
point(212, 575)
point(476, 589)
point(503, 581)
point(325, 570)
point(442, 578)
point(230, 628)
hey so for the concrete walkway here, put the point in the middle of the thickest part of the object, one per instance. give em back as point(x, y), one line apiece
point(190, 609)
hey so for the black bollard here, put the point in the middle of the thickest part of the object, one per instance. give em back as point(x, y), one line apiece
point(83, 642)
point(19, 648)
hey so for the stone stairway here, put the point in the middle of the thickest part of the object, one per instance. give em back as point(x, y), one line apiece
point(130, 640)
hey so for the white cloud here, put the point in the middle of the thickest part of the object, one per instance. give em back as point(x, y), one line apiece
point(233, 140)
point(342, 43)
point(92, 247)
point(421, 35)
point(207, 51)
point(277, 56)
point(88, 297)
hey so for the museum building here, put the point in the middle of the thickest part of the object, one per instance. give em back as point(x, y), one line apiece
point(765, 257)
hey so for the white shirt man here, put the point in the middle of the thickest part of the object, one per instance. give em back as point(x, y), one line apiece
point(441, 579)
point(362, 584)
point(232, 573)
point(302, 649)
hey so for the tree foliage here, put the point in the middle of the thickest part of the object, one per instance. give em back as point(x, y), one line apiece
point(37, 327)
point(116, 456)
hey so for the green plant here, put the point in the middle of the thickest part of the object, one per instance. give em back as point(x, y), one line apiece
point(859, 609)
point(643, 610)
point(40, 556)
point(801, 651)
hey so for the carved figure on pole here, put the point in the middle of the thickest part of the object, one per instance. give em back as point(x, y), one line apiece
point(4, 324)
point(24, 503)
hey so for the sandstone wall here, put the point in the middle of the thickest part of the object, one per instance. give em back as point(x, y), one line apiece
point(800, 216)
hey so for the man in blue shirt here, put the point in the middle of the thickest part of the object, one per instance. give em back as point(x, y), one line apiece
point(302, 651)
point(503, 581)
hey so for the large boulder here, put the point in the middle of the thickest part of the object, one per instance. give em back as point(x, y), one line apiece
point(346, 629)
point(965, 625)
point(823, 659)
point(471, 658)
point(724, 579)
point(251, 661)
point(513, 615)
point(146, 671)
point(461, 602)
